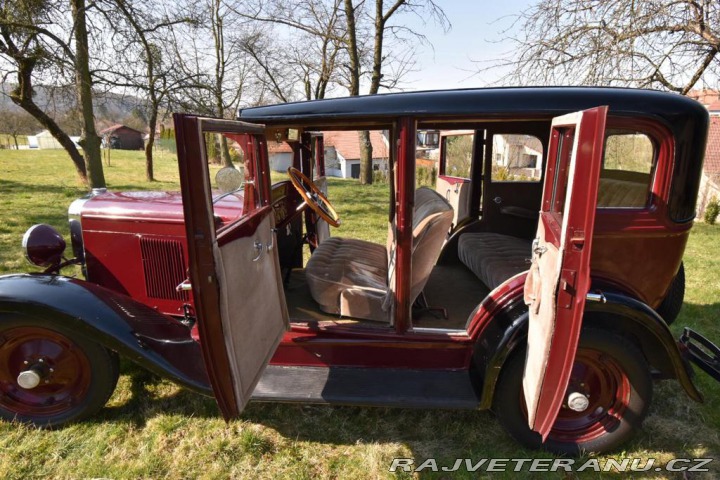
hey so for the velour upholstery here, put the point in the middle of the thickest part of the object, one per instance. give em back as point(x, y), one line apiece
point(614, 193)
point(351, 277)
point(347, 276)
point(494, 257)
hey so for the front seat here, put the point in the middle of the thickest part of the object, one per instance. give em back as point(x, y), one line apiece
point(351, 277)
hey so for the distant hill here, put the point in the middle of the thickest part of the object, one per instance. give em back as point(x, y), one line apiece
point(110, 108)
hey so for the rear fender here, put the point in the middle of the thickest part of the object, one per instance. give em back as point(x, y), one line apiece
point(507, 330)
point(150, 339)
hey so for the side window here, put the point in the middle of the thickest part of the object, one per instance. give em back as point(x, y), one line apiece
point(627, 170)
point(516, 158)
point(562, 171)
point(457, 151)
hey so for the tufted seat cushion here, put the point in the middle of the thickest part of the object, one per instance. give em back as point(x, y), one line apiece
point(350, 277)
point(494, 257)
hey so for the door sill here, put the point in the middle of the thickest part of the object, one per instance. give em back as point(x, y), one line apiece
point(450, 389)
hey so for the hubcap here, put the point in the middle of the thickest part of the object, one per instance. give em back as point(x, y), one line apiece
point(29, 379)
point(578, 402)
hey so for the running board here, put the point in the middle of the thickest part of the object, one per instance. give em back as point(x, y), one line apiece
point(367, 386)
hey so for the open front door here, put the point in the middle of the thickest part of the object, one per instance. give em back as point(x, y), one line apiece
point(559, 277)
point(234, 268)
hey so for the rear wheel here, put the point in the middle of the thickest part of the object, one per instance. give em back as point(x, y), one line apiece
point(50, 376)
point(608, 396)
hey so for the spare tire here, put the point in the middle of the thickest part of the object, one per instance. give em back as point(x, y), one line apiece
point(672, 303)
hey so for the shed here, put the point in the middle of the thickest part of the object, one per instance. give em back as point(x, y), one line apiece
point(122, 137)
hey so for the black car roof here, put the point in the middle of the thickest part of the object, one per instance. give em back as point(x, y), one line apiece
point(482, 102)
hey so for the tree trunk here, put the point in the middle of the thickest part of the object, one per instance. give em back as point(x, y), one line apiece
point(225, 152)
point(352, 49)
point(149, 169)
point(366, 168)
point(90, 142)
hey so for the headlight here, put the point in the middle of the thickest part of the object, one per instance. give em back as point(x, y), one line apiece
point(43, 245)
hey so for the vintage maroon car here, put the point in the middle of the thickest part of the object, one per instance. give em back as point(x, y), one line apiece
point(537, 278)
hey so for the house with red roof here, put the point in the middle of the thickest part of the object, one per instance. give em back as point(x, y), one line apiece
point(710, 183)
point(342, 153)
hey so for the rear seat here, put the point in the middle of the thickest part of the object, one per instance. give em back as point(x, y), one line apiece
point(494, 257)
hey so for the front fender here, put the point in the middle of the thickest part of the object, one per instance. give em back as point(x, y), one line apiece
point(629, 317)
point(154, 341)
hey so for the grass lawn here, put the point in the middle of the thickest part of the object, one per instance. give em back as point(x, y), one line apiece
point(151, 428)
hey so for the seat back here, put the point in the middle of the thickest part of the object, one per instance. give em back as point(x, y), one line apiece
point(432, 217)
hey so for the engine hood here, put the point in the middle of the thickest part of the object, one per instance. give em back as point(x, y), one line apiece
point(162, 207)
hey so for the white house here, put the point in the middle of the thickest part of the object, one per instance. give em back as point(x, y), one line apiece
point(521, 154)
point(342, 153)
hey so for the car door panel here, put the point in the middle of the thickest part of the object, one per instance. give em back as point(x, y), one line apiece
point(457, 192)
point(559, 277)
point(234, 270)
point(249, 280)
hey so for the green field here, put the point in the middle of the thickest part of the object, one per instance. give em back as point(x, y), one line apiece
point(153, 429)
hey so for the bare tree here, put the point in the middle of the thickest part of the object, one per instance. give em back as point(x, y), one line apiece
point(17, 123)
point(642, 43)
point(31, 46)
point(366, 44)
point(213, 51)
point(382, 28)
point(141, 63)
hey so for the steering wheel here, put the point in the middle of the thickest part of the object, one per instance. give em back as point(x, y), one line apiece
point(314, 197)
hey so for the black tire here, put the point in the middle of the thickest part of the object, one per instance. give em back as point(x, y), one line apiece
point(673, 301)
point(593, 430)
point(78, 376)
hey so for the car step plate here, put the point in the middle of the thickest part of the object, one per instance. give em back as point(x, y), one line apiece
point(702, 352)
point(367, 386)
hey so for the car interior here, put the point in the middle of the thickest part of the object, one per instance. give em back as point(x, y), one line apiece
point(466, 241)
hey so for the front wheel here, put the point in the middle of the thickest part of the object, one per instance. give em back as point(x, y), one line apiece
point(613, 379)
point(50, 376)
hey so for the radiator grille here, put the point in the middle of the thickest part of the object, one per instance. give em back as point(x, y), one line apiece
point(164, 268)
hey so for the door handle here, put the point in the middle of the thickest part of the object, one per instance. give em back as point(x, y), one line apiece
point(259, 249)
point(537, 248)
point(271, 245)
point(184, 286)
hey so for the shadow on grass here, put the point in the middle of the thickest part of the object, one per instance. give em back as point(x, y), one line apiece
point(676, 426)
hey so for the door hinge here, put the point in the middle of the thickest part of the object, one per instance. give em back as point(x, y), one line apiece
point(567, 288)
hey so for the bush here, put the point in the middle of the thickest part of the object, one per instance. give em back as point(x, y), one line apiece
point(426, 176)
point(712, 210)
point(380, 176)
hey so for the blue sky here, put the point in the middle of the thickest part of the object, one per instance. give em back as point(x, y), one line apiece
point(476, 35)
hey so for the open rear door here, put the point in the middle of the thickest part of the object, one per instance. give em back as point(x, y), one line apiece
point(559, 277)
point(234, 268)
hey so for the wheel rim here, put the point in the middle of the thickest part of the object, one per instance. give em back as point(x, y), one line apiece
point(63, 366)
point(607, 387)
point(600, 378)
